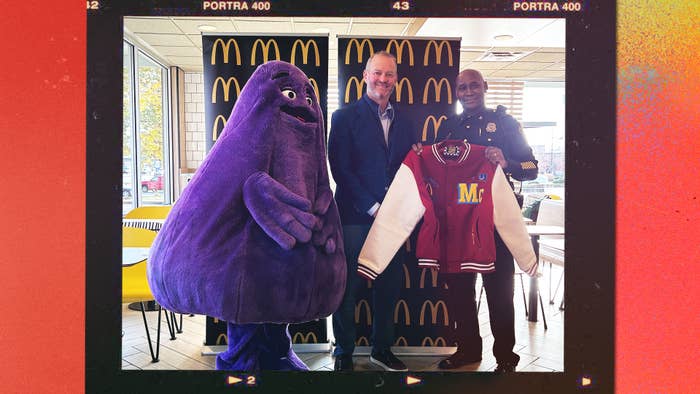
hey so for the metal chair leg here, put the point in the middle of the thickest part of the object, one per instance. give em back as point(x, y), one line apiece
point(171, 327)
point(522, 286)
point(154, 357)
point(544, 318)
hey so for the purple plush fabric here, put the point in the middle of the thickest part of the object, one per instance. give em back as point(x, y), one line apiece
point(255, 237)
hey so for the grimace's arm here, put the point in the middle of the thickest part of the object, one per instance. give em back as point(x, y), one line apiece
point(326, 231)
point(284, 216)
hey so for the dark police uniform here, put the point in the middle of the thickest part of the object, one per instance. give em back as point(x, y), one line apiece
point(490, 127)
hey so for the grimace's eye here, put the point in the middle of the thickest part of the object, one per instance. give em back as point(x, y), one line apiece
point(309, 101)
point(289, 93)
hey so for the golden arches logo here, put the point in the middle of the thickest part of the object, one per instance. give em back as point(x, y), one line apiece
point(225, 47)
point(265, 50)
point(215, 128)
point(433, 276)
point(436, 125)
point(359, 84)
point(226, 88)
point(428, 341)
point(301, 338)
point(222, 339)
point(433, 312)
point(360, 45)
point(438, 89)
point(438, 52)
point(401, 341)
point(305, 51)
point(368, 311)
point(362, 341)
point(399, 88)
point(399, 50)
point(314, 84)
point(406, 277)
point(406, 312)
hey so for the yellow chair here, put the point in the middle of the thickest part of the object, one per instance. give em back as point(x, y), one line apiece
point(149, 212)
point(134, 284)
point(157, 212)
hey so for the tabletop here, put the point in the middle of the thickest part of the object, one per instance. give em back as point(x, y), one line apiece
point(133, 255)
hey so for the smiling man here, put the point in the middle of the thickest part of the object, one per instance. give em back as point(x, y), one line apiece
point(368, 141)
point(506, 146)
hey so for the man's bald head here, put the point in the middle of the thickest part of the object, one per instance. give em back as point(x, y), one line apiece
point(470, 89)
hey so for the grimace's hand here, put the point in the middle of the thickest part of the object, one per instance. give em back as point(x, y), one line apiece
point(284, 215)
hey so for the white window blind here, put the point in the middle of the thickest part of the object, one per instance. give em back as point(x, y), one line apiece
point(508, 94)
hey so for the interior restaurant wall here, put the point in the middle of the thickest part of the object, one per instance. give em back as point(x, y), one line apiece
point(194, 121)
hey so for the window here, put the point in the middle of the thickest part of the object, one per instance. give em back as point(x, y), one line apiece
point(543, 124)
point(146, 171)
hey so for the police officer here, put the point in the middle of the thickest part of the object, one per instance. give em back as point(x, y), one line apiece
point(507, 146)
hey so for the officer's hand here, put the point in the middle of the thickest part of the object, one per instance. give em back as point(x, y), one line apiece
point(417, 147)
point(495, 156)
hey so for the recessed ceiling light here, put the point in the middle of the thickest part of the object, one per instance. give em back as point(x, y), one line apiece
point(503, 37)
point(206, 28)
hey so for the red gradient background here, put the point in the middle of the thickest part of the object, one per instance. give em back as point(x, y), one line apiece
point(42, 200)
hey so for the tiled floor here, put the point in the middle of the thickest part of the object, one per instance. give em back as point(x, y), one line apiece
point(539, 349)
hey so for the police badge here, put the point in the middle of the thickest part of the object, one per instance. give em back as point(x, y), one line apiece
point(491, 127)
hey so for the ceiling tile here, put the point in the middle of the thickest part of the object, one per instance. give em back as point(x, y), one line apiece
point(530, 66)
point(178, 40)
point(469, 56)
point(377, 29)
point(190, 26)
point(178, 51)
point(510, 73)
point(548, 57)
point(150, 25)
point(272, 26)
point(488, 65)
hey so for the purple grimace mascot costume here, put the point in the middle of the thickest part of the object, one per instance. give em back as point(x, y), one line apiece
point(255, 239)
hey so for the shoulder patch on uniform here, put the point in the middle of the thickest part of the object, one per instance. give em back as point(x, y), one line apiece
point(528, 165)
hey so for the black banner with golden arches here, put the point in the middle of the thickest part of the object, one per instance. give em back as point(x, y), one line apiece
point(427, 68)
point(229, 60)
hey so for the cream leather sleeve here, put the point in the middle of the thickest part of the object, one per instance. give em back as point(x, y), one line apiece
point(510, 225)
point(398, 215)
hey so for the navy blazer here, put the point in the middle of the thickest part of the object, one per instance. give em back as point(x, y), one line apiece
point(362, 164)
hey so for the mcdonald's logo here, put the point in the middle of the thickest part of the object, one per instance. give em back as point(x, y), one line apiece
point(399, 50)
point(301, 338)
point(222, 339)
point(406, 276)
point(433, 276)
point(362, 341)
point(226, 88)
point(438, 52)
point(399, 88)
point(358, 308)
point(436, 125)
point(406, 313)
point(433, 312)
point(438, 89)
point(265, 50)
point(305, 51)
point(359, 85)
point(225, 47)
point(428, 341)
point(215, 128)
point(360, 45)
point(315, 86)
point(401, 341)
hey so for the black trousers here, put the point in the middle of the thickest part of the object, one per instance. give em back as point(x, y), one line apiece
point(385, 294)
point(461, 297)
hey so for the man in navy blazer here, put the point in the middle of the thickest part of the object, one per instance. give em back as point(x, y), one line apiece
point(368, 141)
